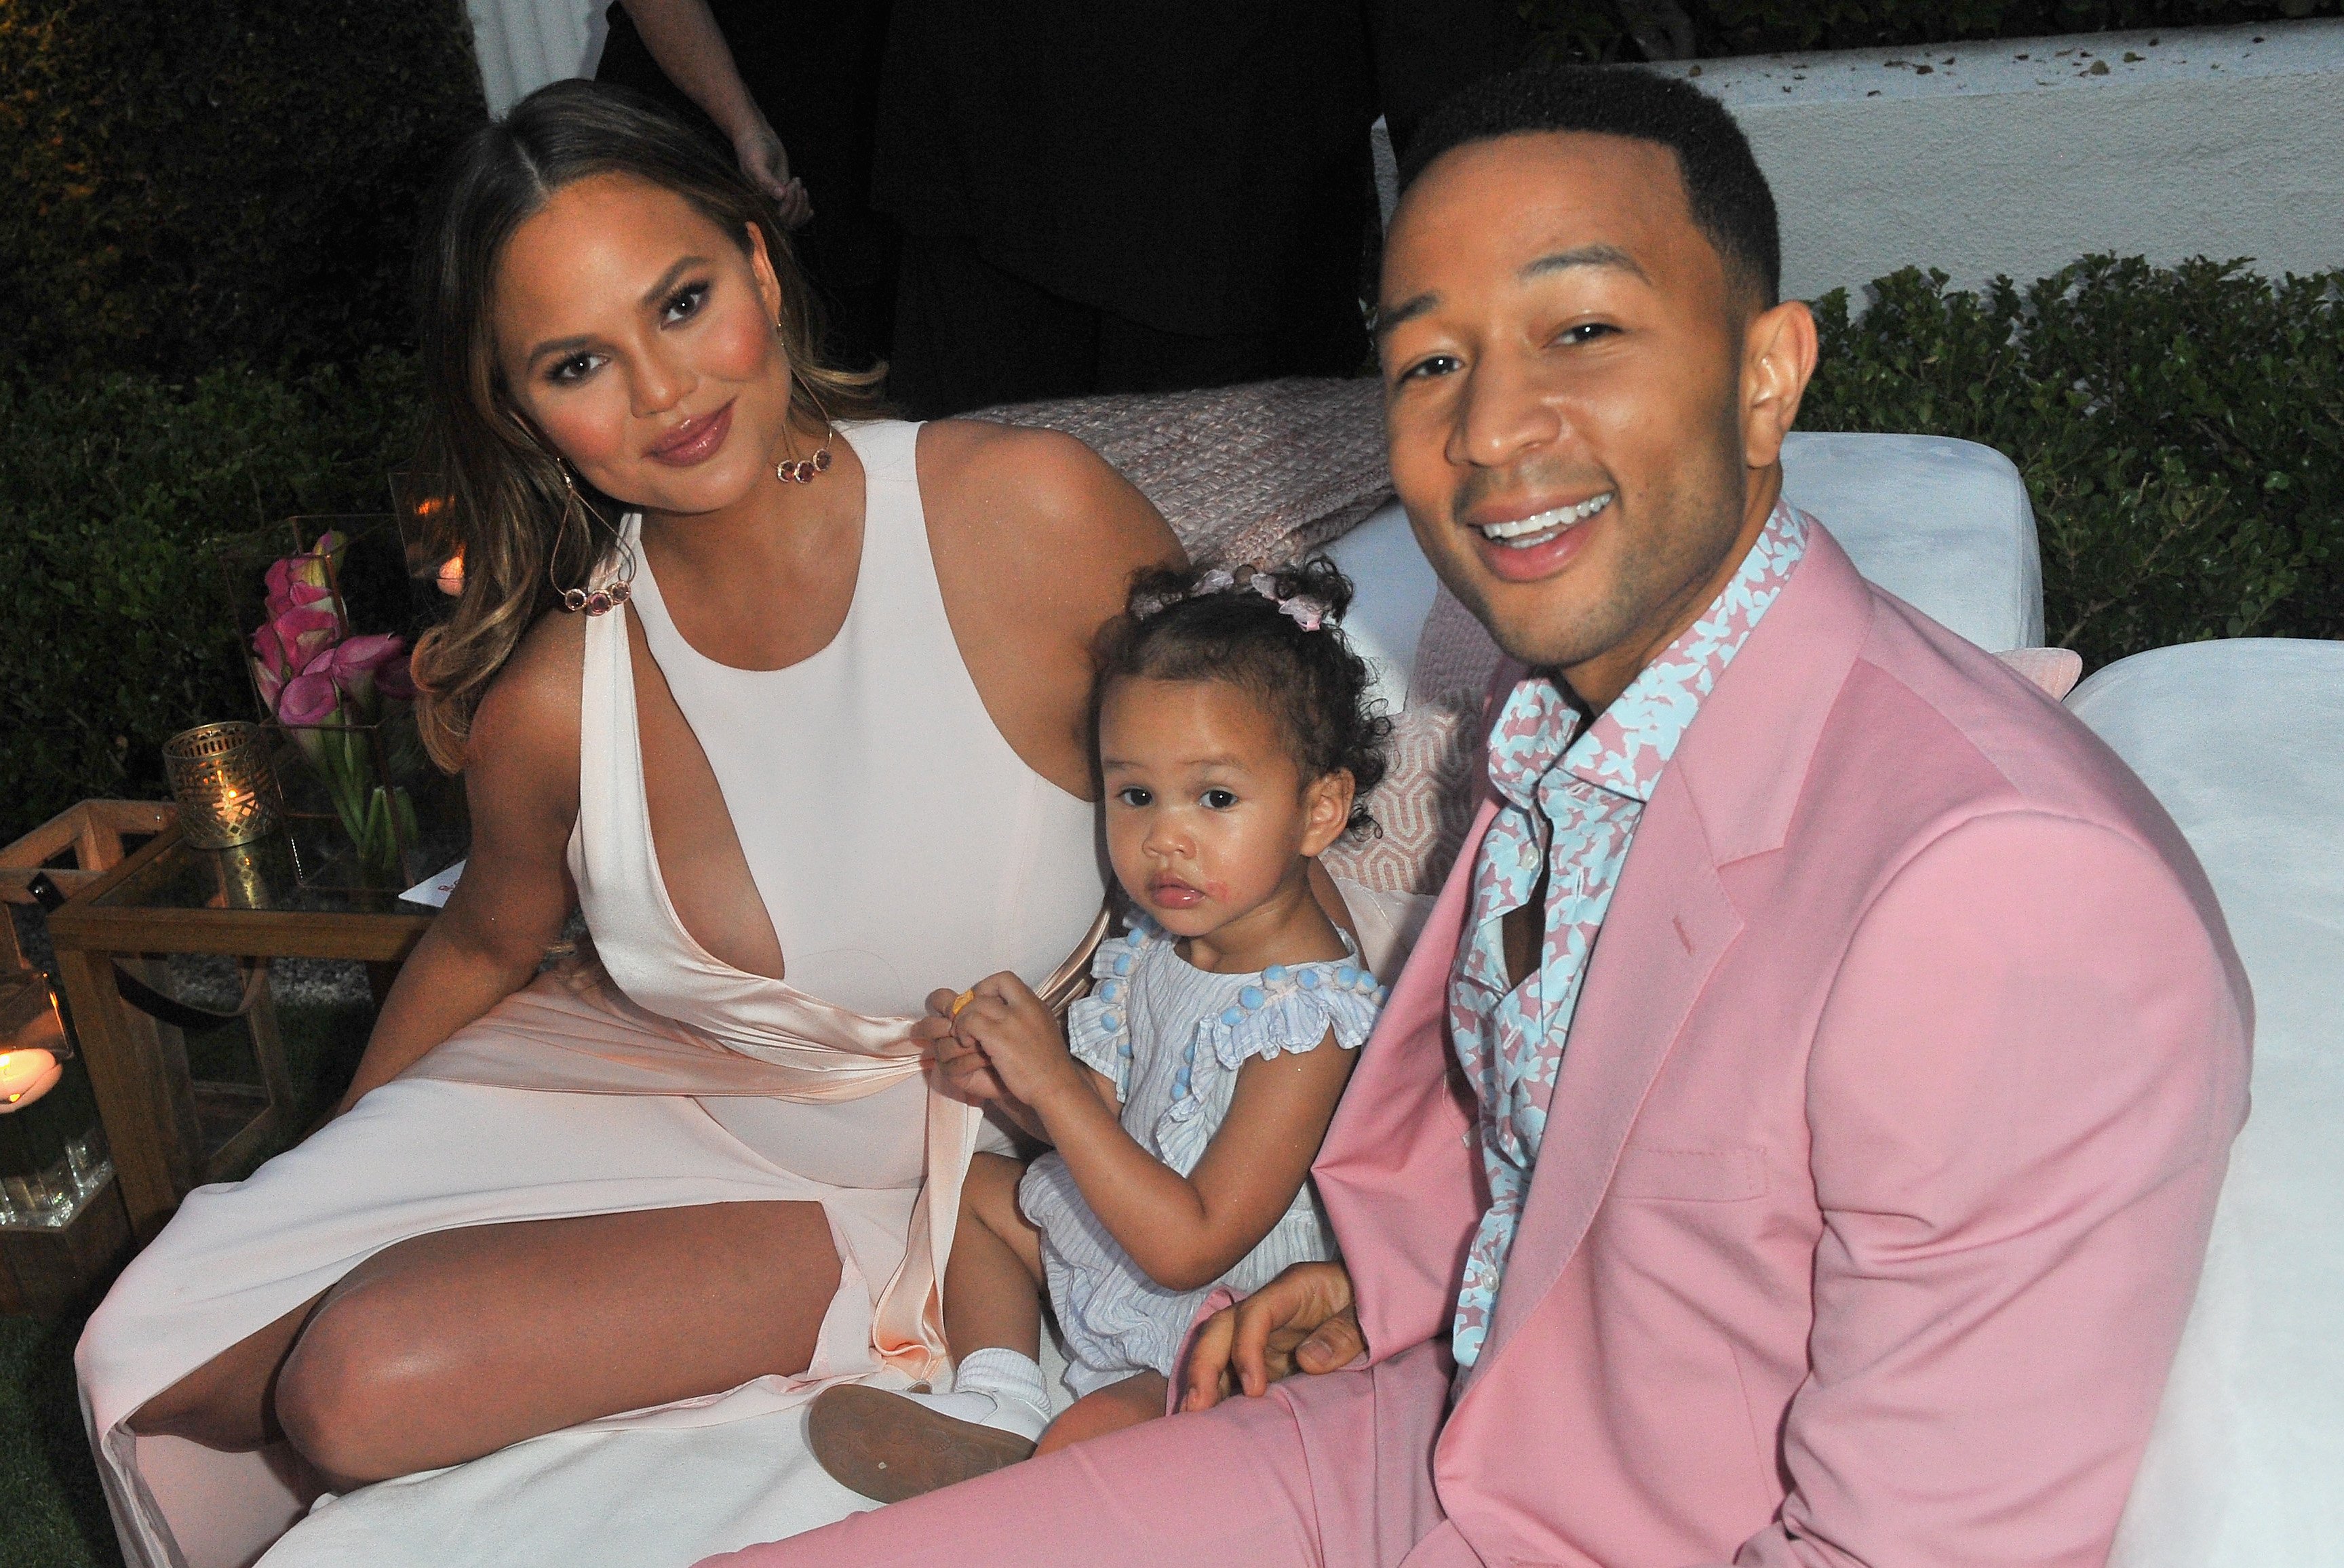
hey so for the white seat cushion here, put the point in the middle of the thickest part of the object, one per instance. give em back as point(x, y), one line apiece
point(2243, 741)
point(1395, 590)
point(1944, 525)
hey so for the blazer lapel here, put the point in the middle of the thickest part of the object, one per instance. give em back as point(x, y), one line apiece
point(1398, 1173)
point(1728, 794)
point(1669, 924)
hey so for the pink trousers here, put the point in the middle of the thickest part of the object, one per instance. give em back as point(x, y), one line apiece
point(1335, 1468)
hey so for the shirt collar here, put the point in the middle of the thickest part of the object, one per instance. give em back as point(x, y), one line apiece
point(1625, 749)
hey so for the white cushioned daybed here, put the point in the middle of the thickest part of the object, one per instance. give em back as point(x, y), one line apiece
point(1245, 474)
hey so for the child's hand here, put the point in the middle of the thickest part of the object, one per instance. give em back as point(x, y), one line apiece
point(1021, 1041)
point(965, 1074)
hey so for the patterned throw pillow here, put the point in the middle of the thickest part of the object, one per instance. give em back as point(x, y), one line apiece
point(1424, 805)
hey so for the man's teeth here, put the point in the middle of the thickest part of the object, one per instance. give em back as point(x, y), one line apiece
point(1532, 528)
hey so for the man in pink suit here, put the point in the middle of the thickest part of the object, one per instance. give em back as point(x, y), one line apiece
point(1793, 1140)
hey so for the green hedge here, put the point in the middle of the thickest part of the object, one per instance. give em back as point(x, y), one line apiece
point(1680, 29)
point(2181, 433)
point(200, 182)
point(118, 633)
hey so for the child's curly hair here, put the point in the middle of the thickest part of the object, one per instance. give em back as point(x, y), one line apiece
point(1204, 624)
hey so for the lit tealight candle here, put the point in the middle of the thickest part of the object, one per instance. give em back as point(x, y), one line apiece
point(449, 579)
point(25, 1076)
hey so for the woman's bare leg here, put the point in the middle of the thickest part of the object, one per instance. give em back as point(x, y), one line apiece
point(456, 1344)
point(230, 1402)
point(1136, 1399)
point(992, 1280)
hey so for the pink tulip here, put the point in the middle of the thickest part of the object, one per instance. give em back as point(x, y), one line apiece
point(310, 698)
point(370, 653)
point(287, 645)
point(290, 585)
point(299, 580)
point(355, 662)
point(396, 680)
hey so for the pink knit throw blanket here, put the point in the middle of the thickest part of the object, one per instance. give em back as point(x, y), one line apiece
point(1264, 473)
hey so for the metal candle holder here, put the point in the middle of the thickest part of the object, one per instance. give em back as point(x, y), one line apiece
point(221, 777)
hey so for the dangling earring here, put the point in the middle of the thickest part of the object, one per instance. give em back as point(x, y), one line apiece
point(796, 469)
point(611, 596)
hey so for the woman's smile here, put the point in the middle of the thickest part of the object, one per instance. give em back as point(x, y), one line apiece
point(694, 441)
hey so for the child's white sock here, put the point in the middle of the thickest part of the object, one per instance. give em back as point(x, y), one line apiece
point(996, 1388)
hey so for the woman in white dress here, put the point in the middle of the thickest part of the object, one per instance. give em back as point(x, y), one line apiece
point(824, 753)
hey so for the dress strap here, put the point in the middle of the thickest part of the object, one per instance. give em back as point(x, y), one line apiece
point(609, 777)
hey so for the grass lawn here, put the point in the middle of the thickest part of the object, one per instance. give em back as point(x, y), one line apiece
point(52, 1514)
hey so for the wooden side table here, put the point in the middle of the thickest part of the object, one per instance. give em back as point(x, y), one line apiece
point(169, 1132)
point(43, 1267)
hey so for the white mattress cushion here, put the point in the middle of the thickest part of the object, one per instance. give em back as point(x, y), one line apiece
point(2243, 741)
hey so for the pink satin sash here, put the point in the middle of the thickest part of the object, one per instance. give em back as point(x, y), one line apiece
point(572, 1031)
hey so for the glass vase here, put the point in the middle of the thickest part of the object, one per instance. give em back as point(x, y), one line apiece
point(364, 807)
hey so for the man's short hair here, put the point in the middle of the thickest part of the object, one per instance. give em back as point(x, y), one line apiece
point(1730, 202)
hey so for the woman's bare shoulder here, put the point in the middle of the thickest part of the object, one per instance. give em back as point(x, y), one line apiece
point(1041, 498)
point(527, 724)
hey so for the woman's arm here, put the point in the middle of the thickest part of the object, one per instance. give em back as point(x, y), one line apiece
point(1035, 540)
point(1185, 1231)
point(520, 778)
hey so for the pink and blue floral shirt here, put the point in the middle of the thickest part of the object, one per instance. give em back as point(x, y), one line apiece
point(1570, 799)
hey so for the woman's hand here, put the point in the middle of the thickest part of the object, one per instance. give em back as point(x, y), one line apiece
point(1303, 1320)
point(1022, 1045)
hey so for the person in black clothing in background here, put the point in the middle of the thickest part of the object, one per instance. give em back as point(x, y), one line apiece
point(1088, 198)
point(1134, 197)
point(793, 89)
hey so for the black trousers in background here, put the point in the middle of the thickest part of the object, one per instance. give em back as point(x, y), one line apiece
point(971, 336)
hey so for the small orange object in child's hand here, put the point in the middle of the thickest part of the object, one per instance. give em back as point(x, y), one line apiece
point(962, 1000)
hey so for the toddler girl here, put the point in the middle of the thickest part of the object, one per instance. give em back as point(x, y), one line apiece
point(1188, 1094)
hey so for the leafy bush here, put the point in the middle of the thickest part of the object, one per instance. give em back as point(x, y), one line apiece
point(1688, 29)
point(197, 182)
point(2181, 433)
point(119, 634)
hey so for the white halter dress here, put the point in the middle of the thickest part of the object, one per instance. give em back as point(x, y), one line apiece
point(658, 1076)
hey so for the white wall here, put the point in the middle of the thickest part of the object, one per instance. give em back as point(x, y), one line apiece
point(2017, 157)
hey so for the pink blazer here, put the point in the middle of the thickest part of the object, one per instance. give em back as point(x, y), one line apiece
point(1876, 1182)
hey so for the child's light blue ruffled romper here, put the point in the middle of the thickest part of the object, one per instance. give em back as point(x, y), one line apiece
point(1172, 1037)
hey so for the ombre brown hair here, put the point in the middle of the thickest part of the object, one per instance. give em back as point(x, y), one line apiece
point(504, 490)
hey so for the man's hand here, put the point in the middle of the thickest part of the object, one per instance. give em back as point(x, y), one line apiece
point(765, 162)
point(1303, 1320)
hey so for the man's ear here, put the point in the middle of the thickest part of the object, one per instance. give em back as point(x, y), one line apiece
point(1327, 810)
point(1778, 356)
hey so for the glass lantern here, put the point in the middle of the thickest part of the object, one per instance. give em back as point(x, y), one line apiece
point(53, 1155)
